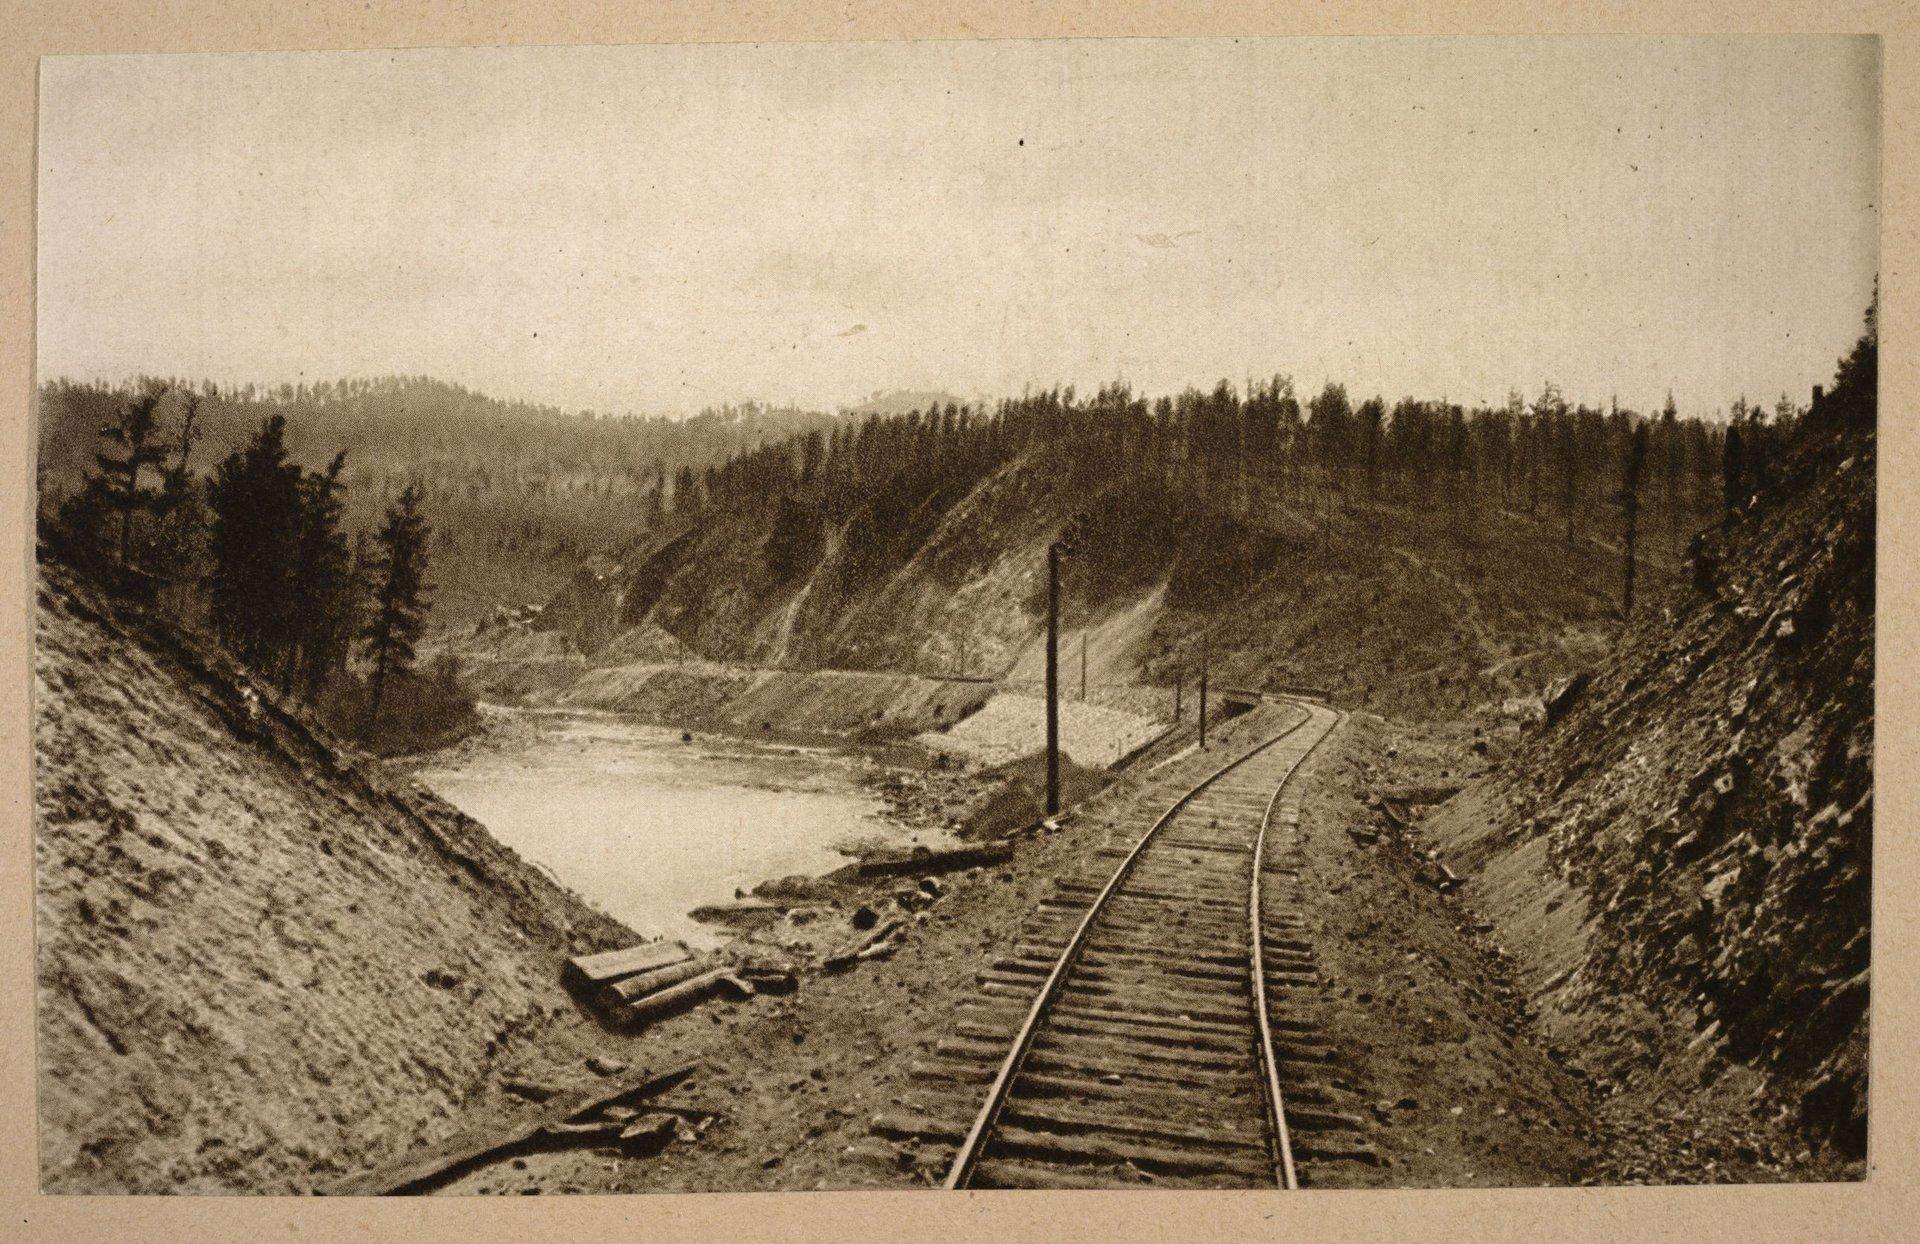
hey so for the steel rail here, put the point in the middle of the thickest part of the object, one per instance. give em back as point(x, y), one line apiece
point(971, 1147)
point(1283, 1169)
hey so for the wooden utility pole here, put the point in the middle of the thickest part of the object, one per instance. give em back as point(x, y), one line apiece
point(1203, 702)
point(1179, 676)
point(1053, 679)
point(1083, 667)
point(1055, 550)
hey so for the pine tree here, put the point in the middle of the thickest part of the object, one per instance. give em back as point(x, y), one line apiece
point(135, 435)
point(256, 500)
point(400, 600)
point(1569, 438)
point(180, 527)
point(1675, 452)
point(1630, 475)
point(1733, 470)
point(1373, 413)
point(1330, 424)
point(324, 581)
point(1550, 421)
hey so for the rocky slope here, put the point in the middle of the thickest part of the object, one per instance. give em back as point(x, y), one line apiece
point(1682, 857)
point(1422, 613)
point(260, 964)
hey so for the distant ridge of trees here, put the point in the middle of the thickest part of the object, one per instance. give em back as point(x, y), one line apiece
point(1598, 474)
point(521, 493)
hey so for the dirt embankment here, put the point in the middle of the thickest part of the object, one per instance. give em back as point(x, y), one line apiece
point(1007, 727)
point(745, 700)
point(1682, 858)
point(261, 964)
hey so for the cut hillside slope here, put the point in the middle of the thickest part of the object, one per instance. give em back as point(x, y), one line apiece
point(260, 965)
point(1413, 612)
point(1683, 857)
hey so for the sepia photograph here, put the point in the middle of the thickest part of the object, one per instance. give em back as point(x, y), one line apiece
point(1128, 613)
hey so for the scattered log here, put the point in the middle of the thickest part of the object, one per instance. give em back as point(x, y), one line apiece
point(891, 865)
point(634, 988)
point(770, 980)
point(664, 1002)
point(739, 911)
point(451, 1158)
point(531, 1090)
point(862, 946)
point(596, 1129)
point(588, 972)
point(649, 1133)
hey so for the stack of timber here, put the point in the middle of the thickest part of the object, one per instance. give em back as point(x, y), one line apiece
point(646, 982)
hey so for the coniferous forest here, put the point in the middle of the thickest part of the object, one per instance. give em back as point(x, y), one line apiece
point(315, 544)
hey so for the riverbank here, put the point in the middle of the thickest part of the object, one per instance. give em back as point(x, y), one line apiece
point(650, 823)
point(790, 1081)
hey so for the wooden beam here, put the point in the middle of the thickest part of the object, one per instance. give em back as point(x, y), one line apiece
point(634, 988)
point(455, 1156)
point(587, 971)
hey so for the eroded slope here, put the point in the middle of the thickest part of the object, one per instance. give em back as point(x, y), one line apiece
point(259, 965)
point(1685, 856)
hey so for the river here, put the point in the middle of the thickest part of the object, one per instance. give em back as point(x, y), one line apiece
point(647, 826)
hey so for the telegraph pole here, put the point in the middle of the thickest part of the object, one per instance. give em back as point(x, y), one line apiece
point(1179, 676)
point(1054, 550)
point(1053, 678)
point(1203, 701)
point(1083, 667)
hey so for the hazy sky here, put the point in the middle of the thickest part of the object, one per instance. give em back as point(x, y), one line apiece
point(654, 229)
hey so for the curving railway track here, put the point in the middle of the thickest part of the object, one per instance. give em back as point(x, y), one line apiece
point(1154, 1025)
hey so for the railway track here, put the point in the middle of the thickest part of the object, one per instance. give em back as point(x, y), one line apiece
point(1153, 1022)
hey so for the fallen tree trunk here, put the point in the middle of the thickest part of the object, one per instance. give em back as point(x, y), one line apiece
point(668, 1000)
point(936, 861)
point(739, 911)
point(459, 1154)
point(860, 947)
point(634, 988)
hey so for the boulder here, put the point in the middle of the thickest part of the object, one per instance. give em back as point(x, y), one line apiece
point(1562, 694)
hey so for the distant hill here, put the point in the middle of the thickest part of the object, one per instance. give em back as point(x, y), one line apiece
point(920, 544)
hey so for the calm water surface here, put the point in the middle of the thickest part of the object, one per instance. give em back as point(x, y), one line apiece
point(646, 826)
